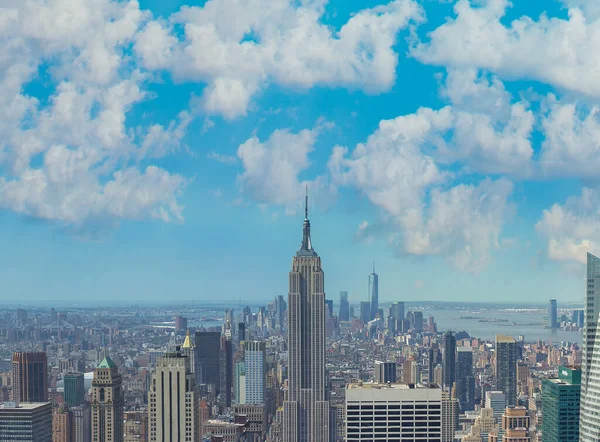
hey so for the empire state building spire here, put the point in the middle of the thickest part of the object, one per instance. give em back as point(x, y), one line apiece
point(306, 248)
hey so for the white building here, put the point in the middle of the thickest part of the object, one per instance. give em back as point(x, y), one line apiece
point(255, 377)
point(496, 400)
point(393, 413)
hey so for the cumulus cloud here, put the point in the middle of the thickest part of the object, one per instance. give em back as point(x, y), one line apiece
point(272, 168)
point(572, 229)
point(551, 50)
point(72, 158)
point(427, 215)
point(237, 47)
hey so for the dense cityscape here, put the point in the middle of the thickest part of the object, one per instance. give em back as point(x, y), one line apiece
point(299, 369)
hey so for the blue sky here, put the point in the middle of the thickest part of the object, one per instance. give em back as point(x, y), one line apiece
point(159, 150)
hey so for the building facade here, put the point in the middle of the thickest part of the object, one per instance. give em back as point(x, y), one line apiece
point(507, 355)
point(465, 379)
point(255, 374)
point(173, 401)
point(449, 360)
point(26, 422)
point(207, 366)
point(374, 293)
point(552, 314)
point(560, 405)
point(107, 403)
point(385, 372)
point(306, 411)
point(74, 389)
point(589, 424)
point(344, 312)
point(393, 412)
point(30, 377)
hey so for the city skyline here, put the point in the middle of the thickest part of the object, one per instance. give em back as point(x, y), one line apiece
point(208, 164)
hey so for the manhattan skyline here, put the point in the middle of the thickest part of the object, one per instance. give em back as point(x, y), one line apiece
point(126, 175)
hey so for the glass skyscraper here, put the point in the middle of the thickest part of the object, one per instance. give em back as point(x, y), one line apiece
point(560, 404)
point(507, 354)
point(589, 424)
point(344, 314)
point(552, 314)
point(374, 292)
point(449, 360)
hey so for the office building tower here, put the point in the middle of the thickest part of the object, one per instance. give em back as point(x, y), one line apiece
point(135, 426)
point(522, 378)
point(431, 362)
point(385, 372)
point(30, 377)
point(449, 360)
point(306, 412)
point(365, 312)
point(507, 355)
point(173, 401)
point(374, 293)
point(208, 347)
point(241, 331)
point(188, 349)
point(74, 392)
point(552, 314)
point(82, 422)
point(280, 308)
point(515, 418)
point(449, 417)
point(107, 403)
point(589, 424)
point(61, 426)
point(239, 382)
point(328, 308)
point(26, 422)
point(560, 405)
point(496, 400)
point(344, 313)
point(255, 374)
point(180, 324)
point(465, 379)
point(226, 371)
point(397, 311)
point(393, 412)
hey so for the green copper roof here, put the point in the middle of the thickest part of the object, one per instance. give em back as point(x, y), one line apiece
point(107, 363)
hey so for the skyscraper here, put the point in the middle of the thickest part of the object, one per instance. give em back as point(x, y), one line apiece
point(449, 360)
point(188, 349)
point(328, 308)
point(255, 374)
point(507, 355)
point(306, 412)
point(30, 377)
point(26, 422)
point(589, 424)
point(397, 311)
point(344, 313)
point(465, 379)
point(374, 292)
point(385, 372)
point(552, 314)
point(560, 404)
point(107, 403)
point(365, 311)
point(226, 370)
point(173, 401)
point(208, 346)
point(74, 389)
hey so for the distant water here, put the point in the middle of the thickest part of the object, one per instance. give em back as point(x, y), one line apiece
point(513, 322)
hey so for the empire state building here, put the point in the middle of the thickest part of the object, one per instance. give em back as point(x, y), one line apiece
point(305, 410)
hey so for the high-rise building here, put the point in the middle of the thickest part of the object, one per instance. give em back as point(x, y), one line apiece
point(226, 370)
point(397, 311)
point(135, 426)
point(188, 349)
point(374, 293)
point(82, 422)
point(449, 360)
point(26, 422)
point(552, 314)
point(515, 424)
point(465, 379)
point(496, 400)
point(180, 324)
point(241, 332)
point(589, 424)
point(449, 417)
point(365, 311)
point(306, 411)
point(107, 403)
point(560, 405)
point(74, 389)
point(328, 308)
point(344, 313)
point(61, 426)
point(507, 355)
point(393, 412)
point(385, 372)
point(30, 377)
point(255, 374)
point(208, 346)
point(173, 401)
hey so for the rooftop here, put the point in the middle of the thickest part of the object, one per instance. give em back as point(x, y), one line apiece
point(23, 405)
point(378, 386)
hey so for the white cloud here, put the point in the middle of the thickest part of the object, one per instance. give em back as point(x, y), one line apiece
point(572, 229)
point(463, 222)
point(551, 50)
point(73, 159)
point(237, 47)
point(272, 169)
point(224, 159)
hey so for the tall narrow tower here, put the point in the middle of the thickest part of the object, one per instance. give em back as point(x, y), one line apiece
point(30, 377)
point(107, 403)
point(306, 412)
point(589, 425)
point(374, 292)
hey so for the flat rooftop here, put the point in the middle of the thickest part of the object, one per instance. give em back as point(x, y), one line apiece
point(386, 386)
